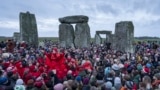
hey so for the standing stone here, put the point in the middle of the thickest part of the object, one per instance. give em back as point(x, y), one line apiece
point(112, 40)
point(28, 28)
point(82, 35)
point(16, 36)
point(108, 34)
point(66, 35)
point(74, 19)
point(124, 36)
point(98, 39)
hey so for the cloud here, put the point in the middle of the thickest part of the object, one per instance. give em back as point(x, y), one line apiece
point(44, 25)
point(47, 24)
point(7, 31)
point(12, 24)
point(103, 14)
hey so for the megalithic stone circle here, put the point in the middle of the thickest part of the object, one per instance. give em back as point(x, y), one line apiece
point(124, 36)
point(81, 36)
point(74, 19)
point(97, 39)
point(16, 36)
point(66, 35)
point(28, 28)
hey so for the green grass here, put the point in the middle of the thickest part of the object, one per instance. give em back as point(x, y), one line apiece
point(55, 39)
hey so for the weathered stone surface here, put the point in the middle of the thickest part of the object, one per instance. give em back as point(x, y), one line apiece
point(98, 39)
point(112, 40)
point(108, 35)
point(28, 28)
point(66, 35)
point(124, 36)
point(74, 19)
point(16, 36)
point(82, 35)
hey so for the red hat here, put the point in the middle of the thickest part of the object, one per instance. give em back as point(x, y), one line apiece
point(146, 70)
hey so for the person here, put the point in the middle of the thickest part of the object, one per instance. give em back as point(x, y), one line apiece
point(19, 85)
point(156, 81)
point(147, 81)
point(27, 67)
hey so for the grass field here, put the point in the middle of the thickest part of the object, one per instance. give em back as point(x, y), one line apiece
point(55, 39)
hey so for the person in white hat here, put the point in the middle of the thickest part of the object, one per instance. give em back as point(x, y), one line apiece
point(19, 85)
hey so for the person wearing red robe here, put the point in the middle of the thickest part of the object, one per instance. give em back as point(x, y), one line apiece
point(87, 65)
point(56, 60)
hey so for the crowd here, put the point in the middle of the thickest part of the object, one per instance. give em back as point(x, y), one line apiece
point(99, 67)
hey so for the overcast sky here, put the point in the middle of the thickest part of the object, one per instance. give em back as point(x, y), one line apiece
point(103, 14)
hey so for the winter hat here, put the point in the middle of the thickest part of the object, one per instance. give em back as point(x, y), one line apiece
point(85, 81)
point(133, 58)
point(148, 65)
point(145, 70)
point(146, 58)
point(139, 67)
point(69, 72)
point(97, 59)
point(3, 80)
point(108, 85)
point(19, 82)
point(117, 80)
point(58, 86)
point(19, 87)
point(115, 60)
point(78, 78)
point(65, 83)
point(115, 67)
